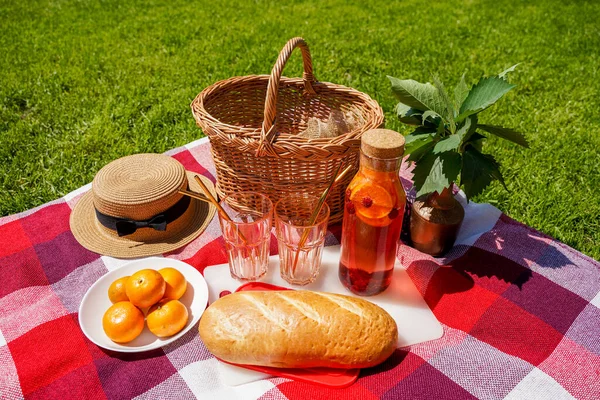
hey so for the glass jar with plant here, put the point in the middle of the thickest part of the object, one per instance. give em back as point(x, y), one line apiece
point(447, 149)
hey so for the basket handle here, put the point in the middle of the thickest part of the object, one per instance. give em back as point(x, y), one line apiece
point(267, 132)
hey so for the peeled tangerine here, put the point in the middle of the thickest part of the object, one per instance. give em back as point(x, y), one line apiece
point(123, 322)
point(167, 317)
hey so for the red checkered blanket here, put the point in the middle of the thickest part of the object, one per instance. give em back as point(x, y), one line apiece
point(520, 313)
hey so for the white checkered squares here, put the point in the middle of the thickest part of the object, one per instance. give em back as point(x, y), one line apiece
point(481, 369)
point(172, 388)
point(596, 300)
point(112, 263)
point(584, 330)
point(196, 143)
point(537, 385)
point(479, 218)
point(28, 308)
point(575, 368)
point(73, 287)
point(187, 350)
point(203, 379)
point(427, 350)
point(10, 388)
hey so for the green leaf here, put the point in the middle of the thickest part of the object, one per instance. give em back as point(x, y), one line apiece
point(417, 135)
point(449, 111)
point(478, 171)
point(419, 148)
point(422, 96)
point(434, 117)
point(441, 128)
point(414, 146)
point(434, 172)
point(475, 137)
point(408, 115)
point(506, 71)
point(424, 129)
point(412, 142)
point(467, 129)
point(498, 176)
point(460, 92)
point(464, 129)
point(476, 140)
point(506, 133)
point(452, 142)
point(485, 93)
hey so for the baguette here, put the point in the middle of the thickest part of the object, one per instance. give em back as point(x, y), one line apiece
point(298, 329)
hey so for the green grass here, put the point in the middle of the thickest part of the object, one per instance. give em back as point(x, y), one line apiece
point(83, 83)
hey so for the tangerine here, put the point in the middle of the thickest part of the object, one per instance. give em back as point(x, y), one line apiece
point(176, 283)
point(123, 322)
point(167, 317)
point(116, 290)
point(145, 288)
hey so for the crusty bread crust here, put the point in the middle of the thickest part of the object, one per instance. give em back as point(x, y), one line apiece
point(298, 329)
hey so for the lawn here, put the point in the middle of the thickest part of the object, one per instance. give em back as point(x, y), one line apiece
point(85, 82)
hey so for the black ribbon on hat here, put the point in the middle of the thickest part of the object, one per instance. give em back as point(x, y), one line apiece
point(158, 222)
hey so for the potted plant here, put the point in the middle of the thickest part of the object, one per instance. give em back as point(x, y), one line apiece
point(447, 149)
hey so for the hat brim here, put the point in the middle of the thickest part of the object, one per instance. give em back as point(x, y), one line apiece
point(91, 235)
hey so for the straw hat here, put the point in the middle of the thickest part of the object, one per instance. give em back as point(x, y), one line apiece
point(135, 209)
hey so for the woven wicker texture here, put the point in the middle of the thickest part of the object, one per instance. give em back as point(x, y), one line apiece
point(139, 187)
point(242, 205)
point(297, 210)
point(252, 122)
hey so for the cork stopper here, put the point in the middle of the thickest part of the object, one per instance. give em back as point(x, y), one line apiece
point(382, 143)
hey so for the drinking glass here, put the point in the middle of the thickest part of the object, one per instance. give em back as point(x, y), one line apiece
point(300, 242)
point(247, 233)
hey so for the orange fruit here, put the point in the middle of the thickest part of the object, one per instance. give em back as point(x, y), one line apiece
point(123, 322)
point(116, 290)
point(372, 200)
point(145, 288)
point(167, 317)
point(176, 283)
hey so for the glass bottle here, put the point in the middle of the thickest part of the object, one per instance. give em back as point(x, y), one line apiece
point(374, 210)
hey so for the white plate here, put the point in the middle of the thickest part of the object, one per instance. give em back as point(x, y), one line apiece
point(96, 302)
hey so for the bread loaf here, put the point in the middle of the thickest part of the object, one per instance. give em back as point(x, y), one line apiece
point(298, 329)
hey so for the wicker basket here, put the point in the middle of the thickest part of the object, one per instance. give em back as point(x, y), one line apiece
point(252, 122)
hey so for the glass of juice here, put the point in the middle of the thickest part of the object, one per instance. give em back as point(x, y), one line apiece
point(247, 233)
point(300, 242)
point(374, 209)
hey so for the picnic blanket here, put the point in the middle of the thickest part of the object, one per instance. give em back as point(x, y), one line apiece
point(520, 313)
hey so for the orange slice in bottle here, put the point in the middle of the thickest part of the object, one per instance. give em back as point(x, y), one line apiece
point(372, 201)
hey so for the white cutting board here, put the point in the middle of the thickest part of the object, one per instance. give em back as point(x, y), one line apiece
point(416, 323)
